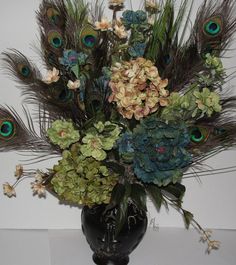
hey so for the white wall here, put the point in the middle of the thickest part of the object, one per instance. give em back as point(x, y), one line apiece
point(213, 200)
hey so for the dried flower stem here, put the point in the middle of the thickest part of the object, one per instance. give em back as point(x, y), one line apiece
point(20, 180)
point(206, 234)
point(114, 17)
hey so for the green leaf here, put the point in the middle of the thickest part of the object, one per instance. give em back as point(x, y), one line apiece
point(188, 217)
point(117, 196)
point(122, 209)
point(95, 119)
point(139, 197)
point(156, 195)
point(121, 216)
point(177, 190)
point(75, 70)
point(116, 167)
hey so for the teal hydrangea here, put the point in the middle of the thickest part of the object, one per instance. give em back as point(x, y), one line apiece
point(130, 18)
point(160, 153)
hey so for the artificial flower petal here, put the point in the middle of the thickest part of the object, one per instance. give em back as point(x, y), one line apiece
point(39, 189)
point(9, 190)
point(103, 25)
point(137, 88)
point(121, 32)
point(19, 171)
point(52, 76)
point(73, 85)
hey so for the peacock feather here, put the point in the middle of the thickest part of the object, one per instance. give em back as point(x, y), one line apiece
point(15, 135)
point(89, 37)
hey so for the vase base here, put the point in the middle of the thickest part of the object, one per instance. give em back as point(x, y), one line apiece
point(105, 261)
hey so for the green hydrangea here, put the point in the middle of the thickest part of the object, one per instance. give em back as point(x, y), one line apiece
point(81, 180)
point(214, 63)
point(63, 133)
point(194, 104)
point(206, 80)
point(178, 107)
point(207, 102)
point(99, 139)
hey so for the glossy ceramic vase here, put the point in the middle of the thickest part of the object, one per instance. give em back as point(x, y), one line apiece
point(99, 230)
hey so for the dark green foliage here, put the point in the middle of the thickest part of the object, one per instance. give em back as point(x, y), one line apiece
point(155, 193)
point(122, 208)
point(117, 196)
point(176, 191)
point(138, 196)
point(188, 218)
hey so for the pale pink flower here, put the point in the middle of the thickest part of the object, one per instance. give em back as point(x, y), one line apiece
point(73, 85)
point(120, 32)
point(103, 25)
point(52, 76)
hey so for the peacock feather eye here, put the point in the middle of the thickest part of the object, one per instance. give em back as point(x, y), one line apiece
point(55, 39)
point(53, 16)
point(199, 135)
point(89, 41)
point(89, 37)
point(24, 70)
point(7, 129)
point(213, 26)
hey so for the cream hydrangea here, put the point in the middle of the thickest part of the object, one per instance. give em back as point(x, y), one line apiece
point(137, 88)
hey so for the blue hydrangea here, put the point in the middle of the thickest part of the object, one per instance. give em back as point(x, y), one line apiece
point(137, 50)
point(141, 16)
point(130, 18)
point(160, 151)
point(69, 59)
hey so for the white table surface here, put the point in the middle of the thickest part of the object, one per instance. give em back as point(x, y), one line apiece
point(165, 246)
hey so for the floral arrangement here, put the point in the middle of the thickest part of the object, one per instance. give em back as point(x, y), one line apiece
point(127, 104)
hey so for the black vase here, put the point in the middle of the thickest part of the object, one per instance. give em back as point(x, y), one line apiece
point(99, 230)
